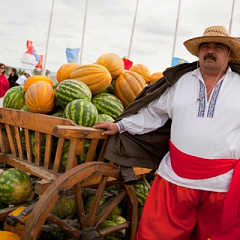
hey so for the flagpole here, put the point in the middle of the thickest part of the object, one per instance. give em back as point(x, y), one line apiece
point(134, 21)
point(176, 28)
point(230, 24)
point(49, 29)
point(83, 34)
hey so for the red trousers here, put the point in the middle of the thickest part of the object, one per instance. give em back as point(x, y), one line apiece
point(173, 212)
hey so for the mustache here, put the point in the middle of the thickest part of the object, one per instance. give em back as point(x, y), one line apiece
point(210, 56)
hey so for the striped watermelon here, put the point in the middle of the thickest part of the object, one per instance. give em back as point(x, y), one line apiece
point(104, 118)
point(24, 108)
point(14, 98)
point(15, 186)
point(66, 151)
point(109, 104)
point(82, 112)
point(142, 191)
point(69, 90)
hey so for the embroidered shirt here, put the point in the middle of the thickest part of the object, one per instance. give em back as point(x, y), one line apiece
point(207, 129)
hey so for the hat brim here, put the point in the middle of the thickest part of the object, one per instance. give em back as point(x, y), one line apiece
point(192, 45)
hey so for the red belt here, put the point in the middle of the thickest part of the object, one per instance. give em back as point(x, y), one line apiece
point(192, 167)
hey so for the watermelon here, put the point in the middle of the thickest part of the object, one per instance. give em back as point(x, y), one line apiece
point(66, 150)
point(64, 207)
point(15, 186)
point(104, 118)
point(24, 108)
point(69, 90)
point(109, 104)
point(141, 190)
point(82, 112)
point(114, 220)
point(43, 144)
point(59, 113)
point(14, 98)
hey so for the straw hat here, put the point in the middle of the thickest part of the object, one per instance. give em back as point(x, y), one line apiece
point(215, 34)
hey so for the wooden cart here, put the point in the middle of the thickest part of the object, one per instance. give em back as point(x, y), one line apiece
point(52, 180)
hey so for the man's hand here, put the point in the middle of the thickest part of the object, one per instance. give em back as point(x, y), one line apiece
point(111, 128)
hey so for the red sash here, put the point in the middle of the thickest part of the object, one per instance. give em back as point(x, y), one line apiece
point(192, 167)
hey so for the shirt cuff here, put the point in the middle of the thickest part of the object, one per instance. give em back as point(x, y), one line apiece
point(120, 126)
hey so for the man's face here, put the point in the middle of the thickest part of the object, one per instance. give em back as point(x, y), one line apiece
point(213, 55)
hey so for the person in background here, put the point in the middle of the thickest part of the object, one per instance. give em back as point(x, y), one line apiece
point(195, 195)
point(13, 77)
point(22, 79)
point(4, 84)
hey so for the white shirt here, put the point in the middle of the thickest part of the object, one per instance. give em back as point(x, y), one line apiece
point(21, 80)
point(200, 128)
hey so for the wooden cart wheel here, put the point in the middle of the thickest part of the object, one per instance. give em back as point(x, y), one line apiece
point(88, 225)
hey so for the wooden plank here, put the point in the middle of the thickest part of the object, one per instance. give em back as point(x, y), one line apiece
point(19, 141)
point(48, 151)
point(10, 134)
point(31, 168)
point(41, 186)
point(32, 121)
point(78, 132)
point(59, 154)
point(4, 144)
point(28, 145)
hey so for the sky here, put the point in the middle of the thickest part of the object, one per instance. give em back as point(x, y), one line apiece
point(145, 33)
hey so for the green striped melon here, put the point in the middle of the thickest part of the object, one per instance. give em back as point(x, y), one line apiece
point(69, 90)
point(109, 104)
point(64, 207)
point(15, 186)
point(14, 98)
point(114, 220)
point(24, 108)
point(104, 118)
point(82, 112)
point(66, 151)
point(59, 113)
point(141, 190)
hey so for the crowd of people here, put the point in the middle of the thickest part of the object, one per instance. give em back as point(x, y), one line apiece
point(12, 80)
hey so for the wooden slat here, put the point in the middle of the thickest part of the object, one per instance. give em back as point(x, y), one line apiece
point(19, 141)
point(38, 137)
point(72, 160)
point(28, 145)
point(48, 151)
point(32, 121)
point(31, 168)
point(78, 132)
point(59, 154)
point(10, 133)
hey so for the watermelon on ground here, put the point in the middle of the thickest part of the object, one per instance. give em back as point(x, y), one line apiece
point(15, 186)
point(69, 90)
point(82, 112)
point(109, 104)
point(64, 207)
point(14, 98)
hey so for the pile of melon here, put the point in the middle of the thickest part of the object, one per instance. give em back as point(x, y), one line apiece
point(86, 93)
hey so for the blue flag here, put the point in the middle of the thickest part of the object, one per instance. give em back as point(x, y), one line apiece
point(176, 61)
point(72, 54)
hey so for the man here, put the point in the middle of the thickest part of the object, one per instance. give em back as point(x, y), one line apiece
point(191, 197)
point(21, 80)
point(13, 77)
